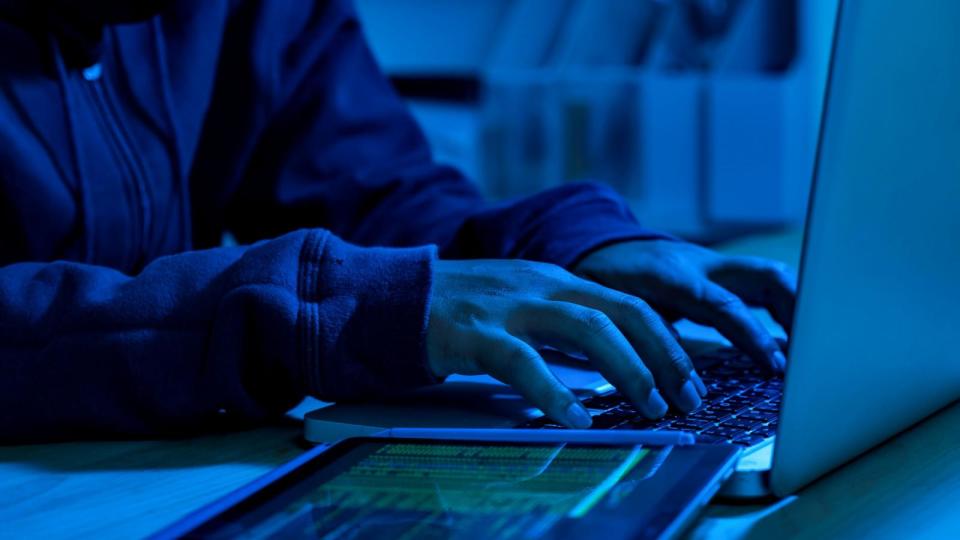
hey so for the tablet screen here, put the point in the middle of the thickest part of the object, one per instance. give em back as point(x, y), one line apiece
point(448, 489)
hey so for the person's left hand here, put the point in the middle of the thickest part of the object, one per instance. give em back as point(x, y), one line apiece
point(682, 280)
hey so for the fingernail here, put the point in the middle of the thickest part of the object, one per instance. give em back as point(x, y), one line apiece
point(688, 399)
point(698, 382)
point(780, 360)
point(656, 406)
point(578, 417)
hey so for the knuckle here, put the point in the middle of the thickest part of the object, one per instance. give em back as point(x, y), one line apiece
point(541, 267)
point(641, 311)
point(595, 321)
point(524, 267)
point(632, 305)
point(521, 358)
point(524, 264)
point(679, 361)
point(727, 303)
point(502, 356)
point(542, 271)
point(560, 274)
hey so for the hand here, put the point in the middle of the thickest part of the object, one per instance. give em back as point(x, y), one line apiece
point(685, 280)
point(490, 316)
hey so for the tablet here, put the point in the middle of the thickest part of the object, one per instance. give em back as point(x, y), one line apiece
point(379, 487)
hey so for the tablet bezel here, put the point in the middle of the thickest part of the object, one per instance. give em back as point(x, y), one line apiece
point(714, 465)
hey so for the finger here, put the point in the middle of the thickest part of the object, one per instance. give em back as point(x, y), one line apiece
point(514, 362)
point(761, 282)
point(653, 341)
point(575, 327)
point(727, 313)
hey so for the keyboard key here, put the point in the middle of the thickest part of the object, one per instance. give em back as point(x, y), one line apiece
point(712, 416)
point(764, 431)
point(741, 424)
point(757, 415)
point(726, 433)
point(693, 424)
point(767, 407)
point(607, 421)
point(730, 408)
point(759, 395)
point(604, 402)
point(627, 410)
point(727, 389)
point(740, 401)
point(724, 405)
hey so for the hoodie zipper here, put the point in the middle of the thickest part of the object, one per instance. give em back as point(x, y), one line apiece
point(130, 162)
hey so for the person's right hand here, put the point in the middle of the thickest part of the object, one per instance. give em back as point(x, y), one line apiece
point(490, 316)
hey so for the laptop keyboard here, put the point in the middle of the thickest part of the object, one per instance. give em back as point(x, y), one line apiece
point(740, 407)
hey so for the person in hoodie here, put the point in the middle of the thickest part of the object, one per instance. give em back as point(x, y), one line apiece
point(135, 133)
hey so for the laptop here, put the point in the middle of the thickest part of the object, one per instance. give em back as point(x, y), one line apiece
point(878, 310)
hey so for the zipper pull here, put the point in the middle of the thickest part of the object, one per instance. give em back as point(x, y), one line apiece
point(93, 72)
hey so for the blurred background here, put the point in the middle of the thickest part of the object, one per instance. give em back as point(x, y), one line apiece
point(704, 114)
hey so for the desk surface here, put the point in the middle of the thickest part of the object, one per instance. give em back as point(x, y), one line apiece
point(908, 487)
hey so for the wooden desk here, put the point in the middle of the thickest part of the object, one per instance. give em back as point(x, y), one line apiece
point(909, 487)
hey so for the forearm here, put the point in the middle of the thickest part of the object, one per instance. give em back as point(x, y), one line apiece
point(557, 226)
point(206, 338)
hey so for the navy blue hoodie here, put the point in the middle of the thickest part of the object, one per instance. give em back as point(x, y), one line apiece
point(130, 144)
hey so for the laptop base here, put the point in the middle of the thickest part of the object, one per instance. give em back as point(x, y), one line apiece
point(750, 482)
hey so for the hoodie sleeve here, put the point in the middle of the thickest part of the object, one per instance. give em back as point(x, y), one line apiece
point(208, 338)
point(340, 150)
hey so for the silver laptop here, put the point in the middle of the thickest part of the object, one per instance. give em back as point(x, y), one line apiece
point(872, 350)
